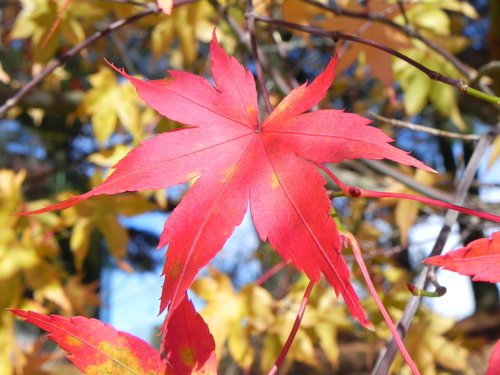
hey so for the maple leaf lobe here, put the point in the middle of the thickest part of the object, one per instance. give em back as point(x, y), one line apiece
point(479, 259)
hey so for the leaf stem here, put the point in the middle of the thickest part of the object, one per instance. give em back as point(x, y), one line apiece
point(294, 330)
point(356, 192)
point(270, 273)
point(481, 95)
point(395, 334)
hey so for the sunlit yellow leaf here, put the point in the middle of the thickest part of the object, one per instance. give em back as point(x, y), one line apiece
point(495, 152)
point(110, 103)
point(187, 25)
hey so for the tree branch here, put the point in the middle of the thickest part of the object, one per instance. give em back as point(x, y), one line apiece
point(406, 29)
point(432, 74)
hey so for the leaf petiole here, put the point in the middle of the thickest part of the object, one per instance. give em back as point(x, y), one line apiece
point(356, 192)
point(397, 338)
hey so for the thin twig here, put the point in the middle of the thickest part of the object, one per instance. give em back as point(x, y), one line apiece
point(387, 356)
point(270, 273)
point(294, 330)
point(364, 271)
point(425, 129)
point(60, 61)
point(407, 29)
point(432, 74)
point(255, 56)
point(402, 9)
point(283, 85)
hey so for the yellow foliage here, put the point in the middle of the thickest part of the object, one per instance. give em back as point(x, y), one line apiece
point(101, 213)
point(418, 89)
point(38, 17)
point(238, 318)
point(187, 25)
point(110, 103)
point(29, 256)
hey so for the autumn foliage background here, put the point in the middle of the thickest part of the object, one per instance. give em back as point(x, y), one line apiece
point(61, 138)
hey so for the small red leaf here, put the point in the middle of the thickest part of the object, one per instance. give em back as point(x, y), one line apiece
point(494, 363)
point(95, 347)
point(188, 345)
point(479, 259)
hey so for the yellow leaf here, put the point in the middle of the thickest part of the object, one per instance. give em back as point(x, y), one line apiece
point(495, 152)
point(108, 158)
point(116, 236)
point(239, 346)
point(38, 17)
point(110, 103)
point(258, 306)
point(80, 240)
point(416, 93)
point(271, 348)
point(187, 24)
point(405, 215)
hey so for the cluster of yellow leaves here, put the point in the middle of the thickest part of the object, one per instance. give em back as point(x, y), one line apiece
point(101, 214)
point(29, 261)
point(251, 325)
point(38, 17)
point(252, 315)
point(187, 25)
point(110, 103)
point(418, 89)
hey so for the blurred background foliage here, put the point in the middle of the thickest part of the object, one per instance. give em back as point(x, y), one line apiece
point(63, 137)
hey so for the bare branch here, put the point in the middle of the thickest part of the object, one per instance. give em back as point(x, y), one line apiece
point(425, 129)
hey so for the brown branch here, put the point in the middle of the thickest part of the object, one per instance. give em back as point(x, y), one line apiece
point(60, 61)
point(406, 29)
point(432, 74)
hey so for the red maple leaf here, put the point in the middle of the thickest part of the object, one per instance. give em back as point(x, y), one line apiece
point(494, 362)
point(479, 259)
point(240, 163)
point(95, 347)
